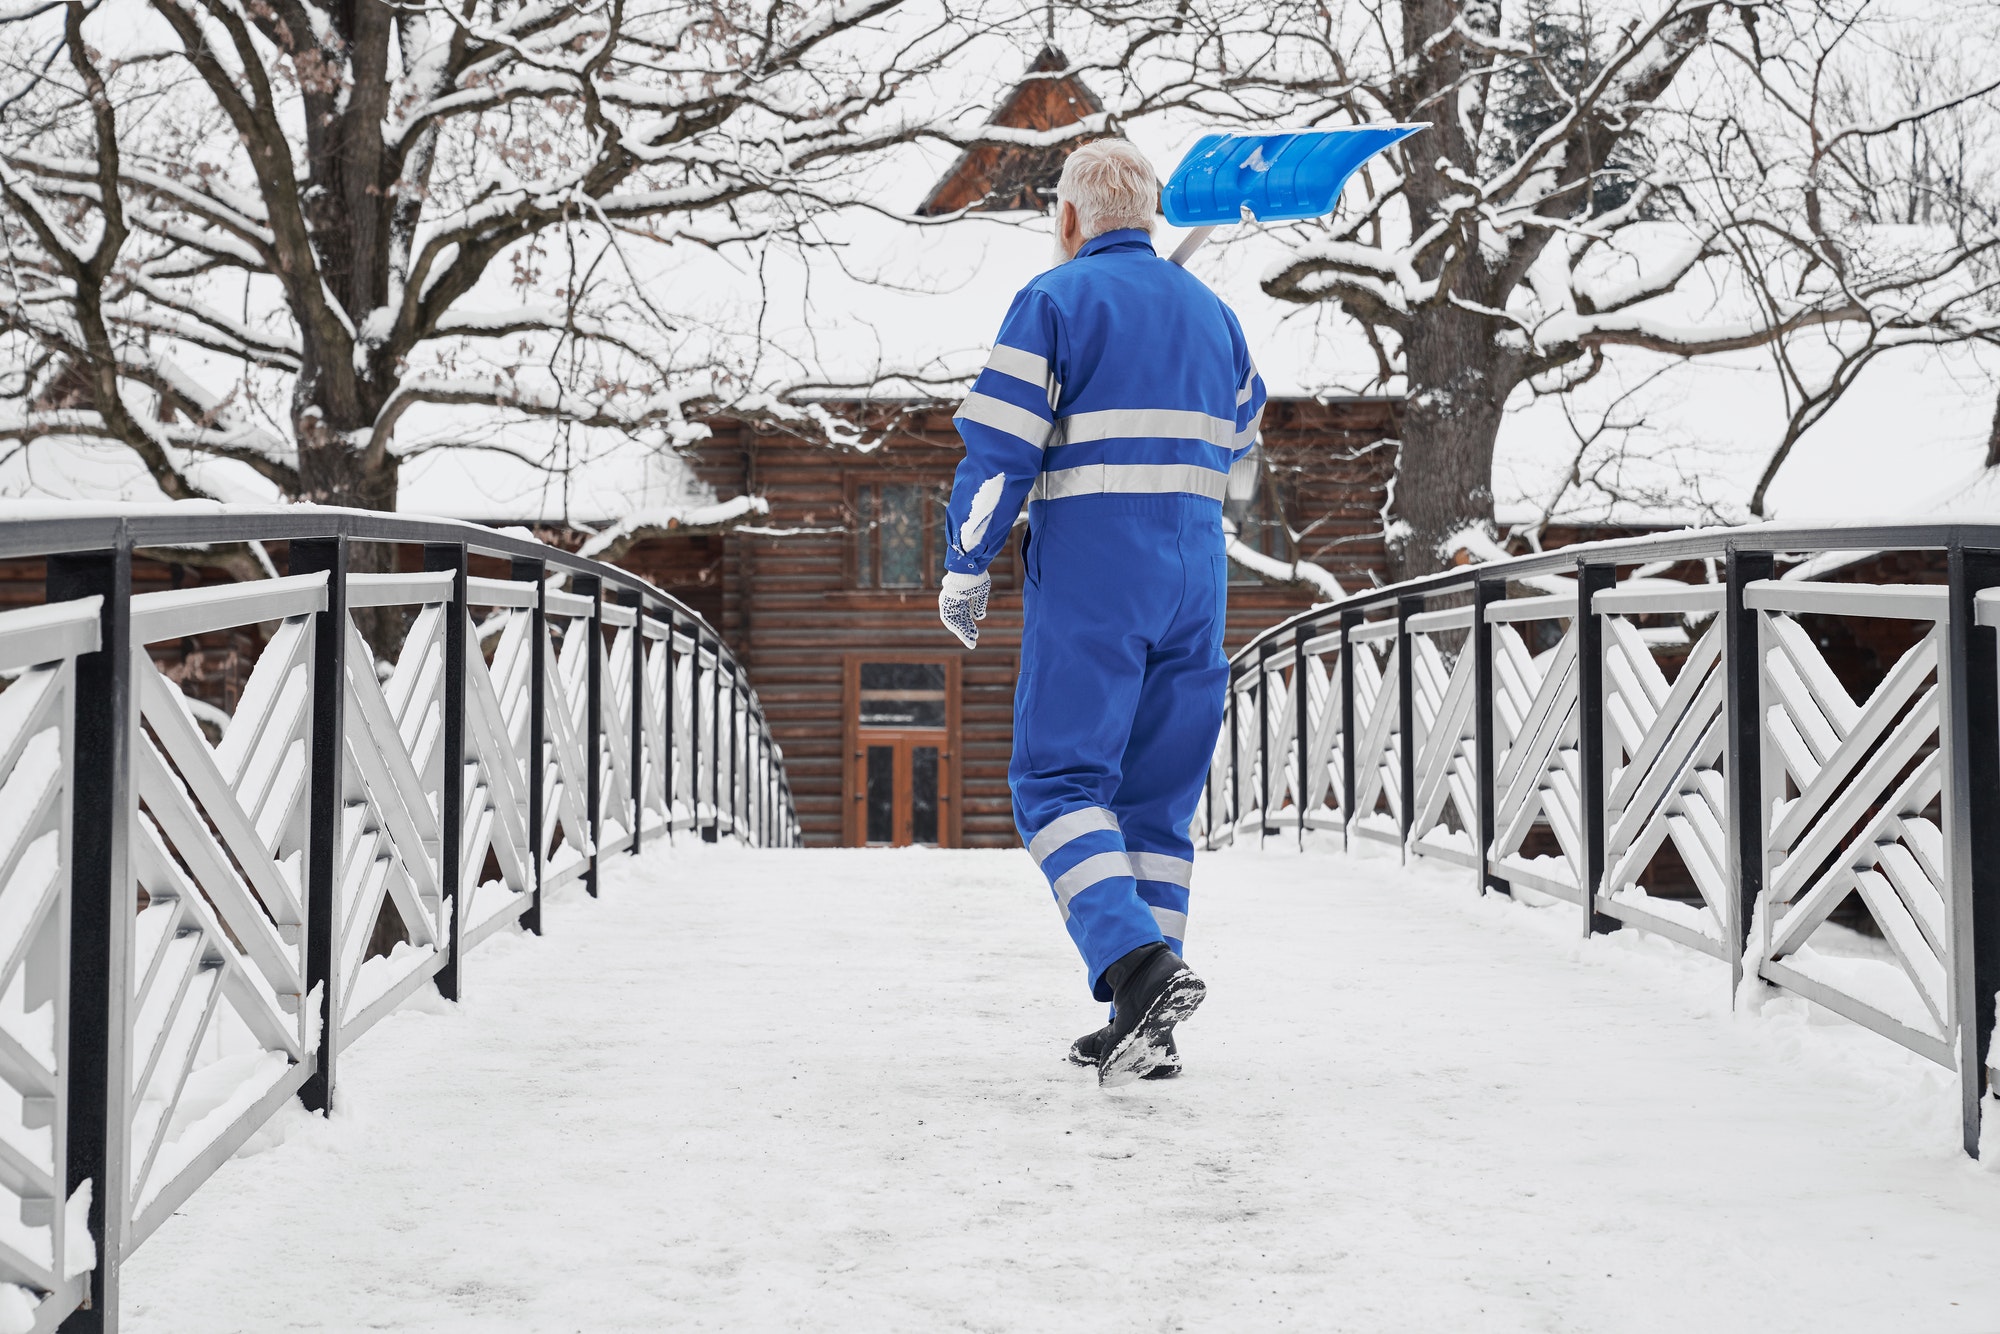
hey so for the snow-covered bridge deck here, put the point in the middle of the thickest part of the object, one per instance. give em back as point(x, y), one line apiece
point(824, 1090)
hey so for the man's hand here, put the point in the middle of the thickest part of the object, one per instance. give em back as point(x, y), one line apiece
point(962, 605)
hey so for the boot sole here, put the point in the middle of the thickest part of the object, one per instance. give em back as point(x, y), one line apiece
point(1145, 1047)
point(1167, 1069)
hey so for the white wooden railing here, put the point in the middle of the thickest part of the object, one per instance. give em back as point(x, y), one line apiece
point(1588, 723)
point(187, 907)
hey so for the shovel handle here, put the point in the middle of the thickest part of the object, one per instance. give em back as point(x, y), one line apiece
point(1189, 244)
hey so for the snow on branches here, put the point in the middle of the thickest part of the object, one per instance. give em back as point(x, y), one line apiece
point(1685, 177)
point(316, 240)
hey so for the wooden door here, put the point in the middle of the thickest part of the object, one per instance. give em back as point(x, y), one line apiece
point(902, 730)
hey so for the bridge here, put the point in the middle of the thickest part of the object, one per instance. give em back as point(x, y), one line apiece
point(1586, 952)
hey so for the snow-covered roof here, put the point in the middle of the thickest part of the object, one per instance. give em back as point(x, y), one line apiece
point(1668, 441)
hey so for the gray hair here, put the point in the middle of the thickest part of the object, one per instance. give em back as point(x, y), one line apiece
point(1111, 185)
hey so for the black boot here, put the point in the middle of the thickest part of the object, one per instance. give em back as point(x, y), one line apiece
point(1151, 991)
point(1088, 1050)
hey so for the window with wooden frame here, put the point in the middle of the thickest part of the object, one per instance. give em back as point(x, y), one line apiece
point(898, 532)
point(899, 537)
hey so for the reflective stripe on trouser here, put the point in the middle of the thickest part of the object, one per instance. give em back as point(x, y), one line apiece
point(1117, 710)
point(1164, 880)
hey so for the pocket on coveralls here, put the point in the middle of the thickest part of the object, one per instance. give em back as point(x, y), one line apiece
point(1024, 705)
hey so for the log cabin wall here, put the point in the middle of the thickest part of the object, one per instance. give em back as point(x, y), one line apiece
point(792, 604)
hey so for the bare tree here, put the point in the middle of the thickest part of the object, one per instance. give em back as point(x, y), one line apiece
point(1884, 131)
point(1589, 163)
point(274, 233)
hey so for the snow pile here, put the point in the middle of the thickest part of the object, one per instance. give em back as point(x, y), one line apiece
point(825, 1090)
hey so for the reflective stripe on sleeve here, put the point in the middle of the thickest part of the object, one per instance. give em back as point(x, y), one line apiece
point(1249, 388)
point(1021, 364)
point(1136, 479)
point(1067, 827)
point(1163, 868)
point(1171, 923)
point(1090, 871)
point(1001, 415)
point(1147, 424)
point(1248, 435)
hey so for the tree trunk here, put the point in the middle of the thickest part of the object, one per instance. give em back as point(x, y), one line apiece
point(1457, 391)
point(1993, 440)
point(333, 472)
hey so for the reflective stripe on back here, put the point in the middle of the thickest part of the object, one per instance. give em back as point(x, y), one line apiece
point(1067, 827)
point(1147, 423)
point(1131, 479)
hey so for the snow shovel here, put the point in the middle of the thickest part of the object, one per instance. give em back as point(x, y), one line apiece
point(1280, 176)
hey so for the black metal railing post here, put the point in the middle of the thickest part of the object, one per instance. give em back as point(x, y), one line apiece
point(637, 722)
point(1302, 703)
point(712, 830)
point(1485, 592)
point(1263, 660)
point(1744, 765)
point(1591, 580)
point(668, 756)
point(1972, 821)
point(592, 587)
point(451, 791)
point(1208, 786)
point(1235, 759)
point(694, 734)
point(1406, 719)
point(1348, 620)
point(524, 568)
point(102, 906)
point(735, 743)
point(329, 755)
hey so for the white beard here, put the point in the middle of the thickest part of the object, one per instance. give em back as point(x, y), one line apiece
point(1057, 255)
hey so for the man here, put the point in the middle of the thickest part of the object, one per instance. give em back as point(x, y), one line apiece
point(1118, 394)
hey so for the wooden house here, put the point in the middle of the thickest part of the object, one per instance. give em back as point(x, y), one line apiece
point(892, 732)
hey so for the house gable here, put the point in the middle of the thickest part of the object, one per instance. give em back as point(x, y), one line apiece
point(998, 179)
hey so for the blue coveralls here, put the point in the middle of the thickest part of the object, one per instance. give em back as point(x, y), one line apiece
point(1119, 393)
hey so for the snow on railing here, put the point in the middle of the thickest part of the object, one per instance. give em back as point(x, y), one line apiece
point(193, 929)
point(1678, 755)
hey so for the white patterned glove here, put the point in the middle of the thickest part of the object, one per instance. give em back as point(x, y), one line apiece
point(962, 604)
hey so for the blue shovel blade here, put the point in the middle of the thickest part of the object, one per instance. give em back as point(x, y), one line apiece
point(1276, 177)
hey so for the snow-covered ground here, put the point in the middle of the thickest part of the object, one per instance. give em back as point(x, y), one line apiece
point(824, 1090)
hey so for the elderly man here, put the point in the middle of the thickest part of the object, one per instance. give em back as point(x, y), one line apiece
point(1118, 394)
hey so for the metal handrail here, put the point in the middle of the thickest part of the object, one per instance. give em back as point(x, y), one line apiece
point(1567, 766)
point(452, 792)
